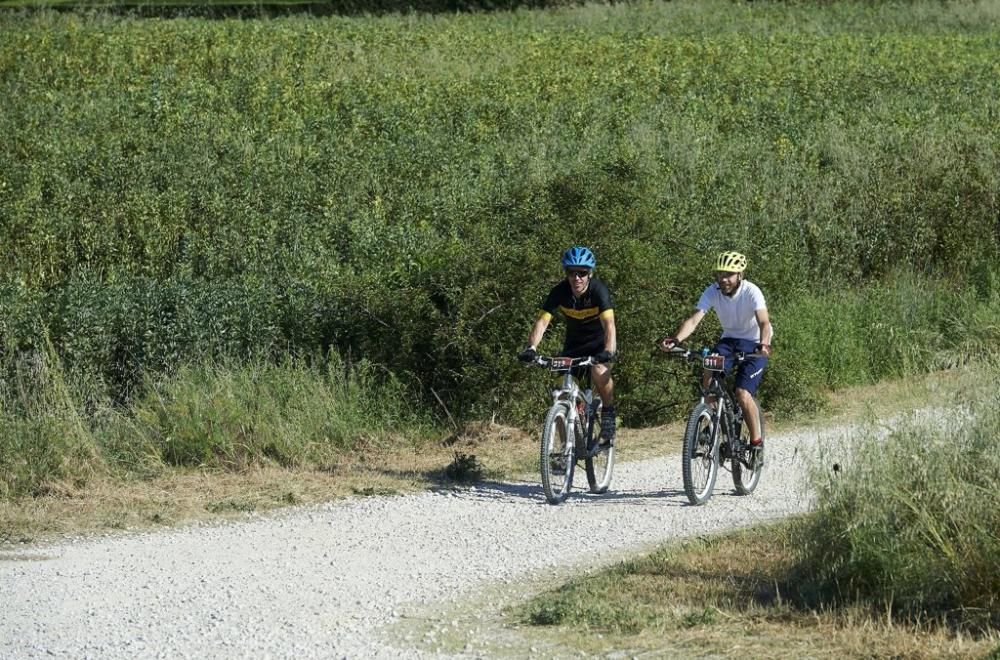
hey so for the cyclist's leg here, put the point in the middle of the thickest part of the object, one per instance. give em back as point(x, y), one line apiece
point(748, 379)
point(579, 351)
point(706, 380)
point(600, 376)
point(727, 347)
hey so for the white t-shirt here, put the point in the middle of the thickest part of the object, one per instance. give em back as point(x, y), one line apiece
point(736, 314)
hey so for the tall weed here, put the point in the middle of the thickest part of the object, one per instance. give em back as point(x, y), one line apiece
point(910, 521)
point(47, 420)
point(296, 414)
point(59, 430)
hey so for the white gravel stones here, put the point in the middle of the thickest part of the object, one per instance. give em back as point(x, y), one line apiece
point(325, 581)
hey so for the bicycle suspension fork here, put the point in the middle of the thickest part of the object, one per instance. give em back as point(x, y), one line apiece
point(570, 393)
point(715, 401)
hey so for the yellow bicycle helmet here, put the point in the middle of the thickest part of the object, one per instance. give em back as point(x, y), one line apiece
point(731, 262)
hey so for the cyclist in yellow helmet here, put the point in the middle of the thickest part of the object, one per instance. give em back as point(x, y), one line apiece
point(746, 328)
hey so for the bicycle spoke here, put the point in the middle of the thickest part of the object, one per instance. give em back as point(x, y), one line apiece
point(700, 463)
point(556, 461)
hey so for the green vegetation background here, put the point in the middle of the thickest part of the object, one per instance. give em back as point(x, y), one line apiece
point(372, 207)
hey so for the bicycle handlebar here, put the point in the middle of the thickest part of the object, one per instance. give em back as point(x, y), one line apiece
point(682, 352)
point(563, 363)
point(692, 355)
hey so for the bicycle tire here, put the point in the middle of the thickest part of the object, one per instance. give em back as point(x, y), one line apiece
point(557, 458)
point(746, 475)
point(699, 460)
point(600, 466)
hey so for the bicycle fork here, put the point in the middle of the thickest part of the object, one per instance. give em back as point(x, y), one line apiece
point(717, 418)
point(569, 395)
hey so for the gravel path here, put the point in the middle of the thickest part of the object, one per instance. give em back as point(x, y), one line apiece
point(337, 580)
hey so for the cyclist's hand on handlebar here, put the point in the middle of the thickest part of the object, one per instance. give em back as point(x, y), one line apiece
point(604, 356)
point(528, 355)
point(667, 343)
point(764, 349)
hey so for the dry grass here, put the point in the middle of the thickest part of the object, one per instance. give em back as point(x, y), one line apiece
point(766, 637)
point(705, 599)
point(191, 495)
point(181, 496)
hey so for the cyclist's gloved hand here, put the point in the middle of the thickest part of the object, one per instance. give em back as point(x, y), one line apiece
point(605, 356)
point(667, 343)
point(765, 349)
point(528, 355)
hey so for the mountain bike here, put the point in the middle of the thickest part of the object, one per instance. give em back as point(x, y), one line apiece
point(571, 430)
point(716, 433)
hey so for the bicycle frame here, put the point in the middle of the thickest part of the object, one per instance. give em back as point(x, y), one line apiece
point(568, 432)
point(713, 433)
point(579, 398)
point(726, 414)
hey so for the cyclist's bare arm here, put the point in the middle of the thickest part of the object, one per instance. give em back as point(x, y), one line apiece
point(538, 330)
point(764, 321)
point(610, 332)
point(686, 328)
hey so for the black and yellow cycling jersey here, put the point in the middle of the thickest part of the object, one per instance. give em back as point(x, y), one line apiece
point(583, 315)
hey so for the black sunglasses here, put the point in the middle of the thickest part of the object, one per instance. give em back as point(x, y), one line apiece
point(578, 273)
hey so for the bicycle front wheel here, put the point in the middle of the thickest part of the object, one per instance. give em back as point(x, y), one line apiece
point(557, 459)
point(748, 461)
point(601, 465)
point(699, 456)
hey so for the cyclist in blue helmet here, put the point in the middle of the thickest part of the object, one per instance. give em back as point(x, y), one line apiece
point(585, 304)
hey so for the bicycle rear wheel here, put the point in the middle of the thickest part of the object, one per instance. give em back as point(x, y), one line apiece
point(699, 456)
point(557, 459)
point(601, 465)
point(748, 461)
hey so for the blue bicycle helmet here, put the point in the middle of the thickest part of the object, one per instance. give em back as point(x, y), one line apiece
point(578, 257)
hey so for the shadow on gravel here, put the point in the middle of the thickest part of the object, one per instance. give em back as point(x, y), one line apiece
point(27, 556)
point(670, 497)
point(491, 490)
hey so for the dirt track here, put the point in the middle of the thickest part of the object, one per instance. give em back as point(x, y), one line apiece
point(371, 577)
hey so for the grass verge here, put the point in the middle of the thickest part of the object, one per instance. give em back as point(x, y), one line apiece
point(705, 598)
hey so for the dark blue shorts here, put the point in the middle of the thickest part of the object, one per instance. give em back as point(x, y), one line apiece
point(751, 371)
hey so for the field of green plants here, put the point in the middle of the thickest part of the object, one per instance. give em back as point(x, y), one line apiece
point(357, 217)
